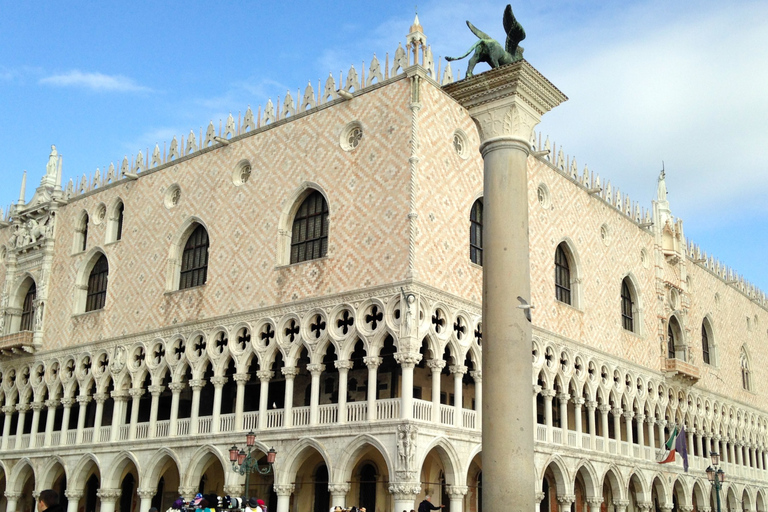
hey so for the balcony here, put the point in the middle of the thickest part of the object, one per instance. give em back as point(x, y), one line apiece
point(16, 343)
point(681, 370)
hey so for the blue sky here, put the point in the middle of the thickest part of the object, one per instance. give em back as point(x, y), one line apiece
point(684, 82)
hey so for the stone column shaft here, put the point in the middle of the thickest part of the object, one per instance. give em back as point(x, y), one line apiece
point(194, 414)
point(153, 409)
point(218, 385)
point(373, 369)
point(458, 372)
point(315, 370)
point(264, 377)
point(343, 367)
point(436, 366)
point(290, 375)
point(240, 380)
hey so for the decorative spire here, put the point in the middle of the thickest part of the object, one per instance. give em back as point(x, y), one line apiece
point(23, 193)
point(416, 40)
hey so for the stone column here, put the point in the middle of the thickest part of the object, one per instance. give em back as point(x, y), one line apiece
point(564, 502)
point(339, 491)
point(660, 424)
point(436, 366)
point(478, 376)
point(283, 495)
point(82, 406)
point(644, 506)
point(407, 362)
point(315, 370)
point(218, 385)
point(240, 380)
point(404, 494)
point(548, 394)
point(506, 103)
point(617, 412)
point(651, 421)
point(595, 503)
point(22, 410)
point(12, 498)
point(604, 422)
point(373, 366)
point(173, 422)
point(343, 367)
point(155, 391)
point(640, 418)
point(145, 495)
point(66, 413)
point(628, 425)
point(264, 377)
point(539, 497)
point(136, 394)
point(578, 402)
point(73, 499)
point(564, 397)
point(591, 406)
point(456, 495)
point(194, 415)
point(8, 410)
point(690, 441)
point(731, 452)
point(118, 413)
point(108, 499)
point(49, 419)
point(36, 408)
point(290, 375)
point(458, 372)
point(100, 398)
point(724, 450)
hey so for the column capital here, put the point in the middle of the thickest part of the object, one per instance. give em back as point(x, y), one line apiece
point(458, 368)
point(9, 409)
point(284, 490)
point(218, 382)
point(566, 499)
point(244, 377)
point(436, 365)
point(337, 489)
point(233, 490)
point(343, 365)
point(477, 375)
point(605, 408)
point(289, 372)
point(100, 397)
point(187, 491)
point(120, 395)
point(315, 369)
point(407, 359)
point(53, 403)
point(108, 494)
point(37, 406)
point(196, 384)
point(640, 417)
point(591, 404)
point(595, 500)
point(372, 361)
point(645, 505)
point(176, 387)
point(617, 411)
point(263, 376)
point(83, 399)
point(155, 390)
point(136, 392)
point(13, 495)
point(548, 393)
point(72, 494)
point(68, 402)
point(506, 102)
point(456, 491)
point(539, 496)
point(621, 503)
point(685, 508)
point(146, 493)
point(563, 397)
point(579, 400)
point(628, 415)
point(405, 490)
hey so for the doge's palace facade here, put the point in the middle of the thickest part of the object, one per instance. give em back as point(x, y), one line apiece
point(312, 272)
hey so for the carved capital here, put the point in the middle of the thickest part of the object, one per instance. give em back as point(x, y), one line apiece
point(539, 496)
point(459, 369)
point(407, 359)
point(155, 390)
point(549, 394)
point(456, 491)
point(338, 489)
point(37, 406)
point(100, 398)
point(566, 499)
point(564, 397)
point(73, 495)
point(243, 377)
point(136, 392)
point(196, 384)
point(405, 490)
point(645, 505)
point(218, 382)
point(289, 372)
point(13, 495)
point(477, 375)
point(605, 408)
point(264, 375)
point(176, 387)
point(83, 400)
point(682, 508)
point(617, 411)
point(283, 490)
point(68, 402)
point(343, 365)
point(436, 365)
point(315, 369)
point(628, 415)
point(372, 361)
point(108, 494)
point(52, 404)
point(232, 490)
point(146, 494)
point(591, 405)
point(595, 500)
point(9, 409)
point(22, 407)
point(579, 400)
point(120, 395)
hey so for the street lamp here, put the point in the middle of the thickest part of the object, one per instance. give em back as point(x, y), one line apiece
point(247, 463)
point(716, 476)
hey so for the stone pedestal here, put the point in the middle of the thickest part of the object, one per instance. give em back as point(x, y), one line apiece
point(506, 103)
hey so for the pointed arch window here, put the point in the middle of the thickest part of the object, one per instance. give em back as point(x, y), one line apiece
point(562, 276)
point(194, 259)
point(627, 306)
point(705, 349)
point(119, 231)
point(28, 309)
point(309, 235)
point(97, 285)
point(476, 233)
point(746, 374)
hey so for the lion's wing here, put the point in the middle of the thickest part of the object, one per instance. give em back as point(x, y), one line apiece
point(514, 30)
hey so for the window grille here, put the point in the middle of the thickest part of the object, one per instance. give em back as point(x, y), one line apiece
point(705, 344)
point(476, 233)
point(562, 276)
point(309, 236)
point(28, 309)
point(120, 210)
point(97, 285)
point(194, 260)
point(627, 306)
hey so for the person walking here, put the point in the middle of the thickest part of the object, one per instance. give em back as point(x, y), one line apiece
point(427, 505)
point(48, 500)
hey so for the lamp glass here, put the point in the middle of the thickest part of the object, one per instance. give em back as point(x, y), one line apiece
point(715, 458)
point(241, 457)
point(271, 454)
point(711, 474)
point(250, 439)
point(233, 454)
point(721, 475)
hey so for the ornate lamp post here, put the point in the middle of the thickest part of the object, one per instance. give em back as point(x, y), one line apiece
point(716, 476)
point(247, 463)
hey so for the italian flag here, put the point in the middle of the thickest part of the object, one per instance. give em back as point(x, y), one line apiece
point(676, 443)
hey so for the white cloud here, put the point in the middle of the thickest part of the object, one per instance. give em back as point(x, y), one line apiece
point(94, 81)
